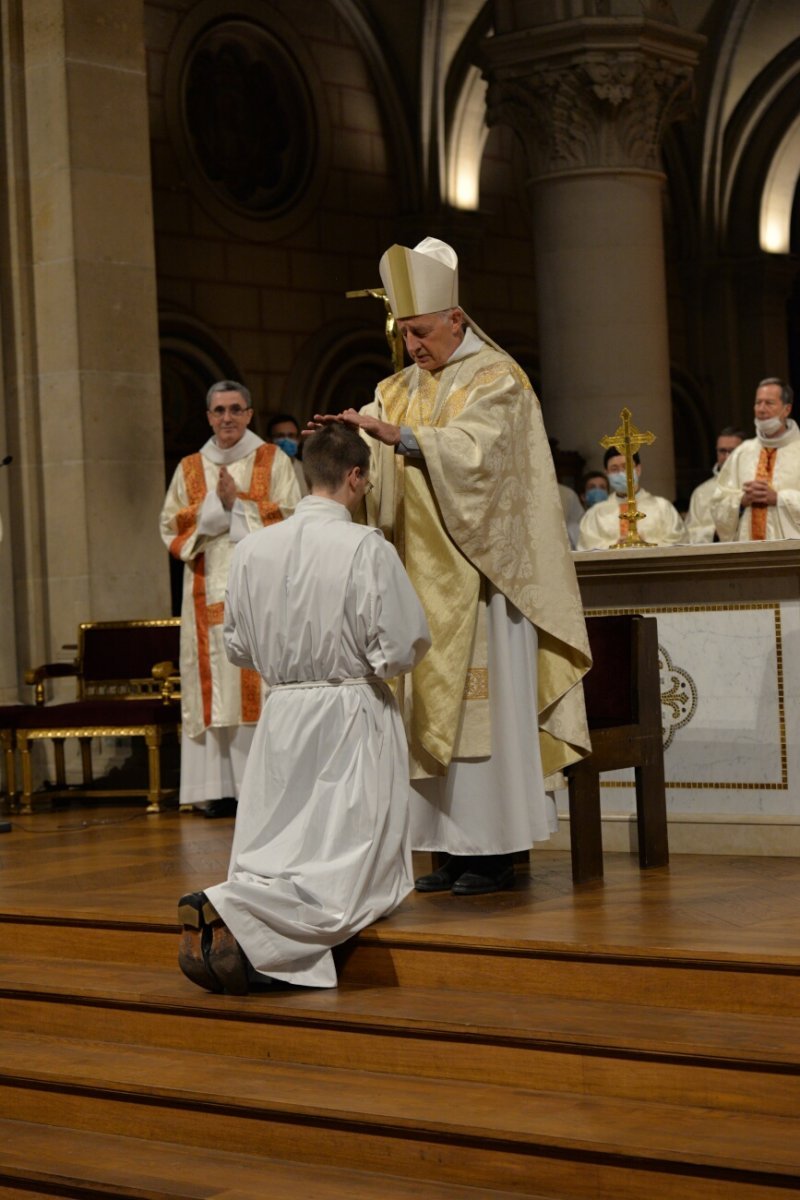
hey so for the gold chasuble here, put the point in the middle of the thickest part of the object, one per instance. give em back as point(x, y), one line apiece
point(482, 505)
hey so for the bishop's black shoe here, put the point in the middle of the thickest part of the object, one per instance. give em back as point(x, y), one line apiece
point(443, 878)
point(226, 807)
point(488, 873)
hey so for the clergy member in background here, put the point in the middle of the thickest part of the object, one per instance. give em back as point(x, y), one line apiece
point(593, 488)
point(284, 431)
point(572, 510)
point(605, 523)
point(465, 486)
point(757, 497)
point(237, 483)
point(322, 608)
point(699, 521)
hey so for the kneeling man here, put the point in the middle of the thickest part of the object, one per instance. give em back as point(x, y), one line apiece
point(322, 608)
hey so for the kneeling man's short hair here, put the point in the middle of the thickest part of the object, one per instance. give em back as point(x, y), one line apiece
point(330, 453)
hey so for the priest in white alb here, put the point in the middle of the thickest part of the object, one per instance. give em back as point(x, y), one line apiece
point(321, 607)
point(236, 483)
point(466, 489)
point(604, 524)
point(699, 519)
point(757, 497)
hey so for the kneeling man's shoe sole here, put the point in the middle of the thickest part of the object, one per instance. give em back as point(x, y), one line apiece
point(474, 884)
point(208, 953)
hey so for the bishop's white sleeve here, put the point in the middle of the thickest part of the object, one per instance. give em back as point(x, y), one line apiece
point(391, 622)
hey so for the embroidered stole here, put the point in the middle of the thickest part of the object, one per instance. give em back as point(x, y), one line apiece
point(205, 614)
point(758, 514)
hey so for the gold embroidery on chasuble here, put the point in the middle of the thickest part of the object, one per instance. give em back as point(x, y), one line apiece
point(216, 613)
point(476, 686)
point(764, 470)
point(208, 616)
point(186, 519)
point(194, 478)
point(270, 513)
point(260, 483)
point(440, 724)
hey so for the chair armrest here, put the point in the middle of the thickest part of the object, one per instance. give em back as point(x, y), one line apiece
point(170, 680)
point(37, 675)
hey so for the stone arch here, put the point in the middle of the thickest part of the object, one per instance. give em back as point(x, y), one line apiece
point(338, 367)
point(465, 117)
point(762, 148)
point(191, 360)
point(398, 115)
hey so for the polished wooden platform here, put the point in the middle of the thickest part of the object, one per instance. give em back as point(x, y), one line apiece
point(638, 1037)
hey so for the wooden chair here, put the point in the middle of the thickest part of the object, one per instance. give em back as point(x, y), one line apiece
point(9, 719)
point(127, 686)
point(623, 705)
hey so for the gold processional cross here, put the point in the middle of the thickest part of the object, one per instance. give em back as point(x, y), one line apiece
point(627, 440)
point(393, 335)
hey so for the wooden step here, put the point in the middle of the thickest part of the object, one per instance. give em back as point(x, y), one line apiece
point(102, 1165)
point(384, 955)
point(731, 1061)
point(466, 1133)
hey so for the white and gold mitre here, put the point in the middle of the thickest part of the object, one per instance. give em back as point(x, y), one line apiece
point(422, 280)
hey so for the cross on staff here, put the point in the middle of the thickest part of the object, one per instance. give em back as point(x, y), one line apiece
point(628, 439)
point(393, 335)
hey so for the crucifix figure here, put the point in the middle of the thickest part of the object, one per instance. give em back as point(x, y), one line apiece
point(627, 441)
point(393, 336)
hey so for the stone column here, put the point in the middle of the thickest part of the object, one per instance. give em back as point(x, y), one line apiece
point(80, 358)
point(590, 96)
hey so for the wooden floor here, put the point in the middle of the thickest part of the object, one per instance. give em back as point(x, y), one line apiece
point(634, 1038)
point(120, 864)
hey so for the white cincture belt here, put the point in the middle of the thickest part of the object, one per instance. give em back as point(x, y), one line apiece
point(317, 683)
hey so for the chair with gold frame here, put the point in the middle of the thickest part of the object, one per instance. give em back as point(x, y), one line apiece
point(127, 686)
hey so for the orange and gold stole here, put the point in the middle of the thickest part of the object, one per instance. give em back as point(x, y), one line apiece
point(758, 515)
point(206, 614)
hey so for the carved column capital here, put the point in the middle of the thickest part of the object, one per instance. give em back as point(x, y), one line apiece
point(586, 100)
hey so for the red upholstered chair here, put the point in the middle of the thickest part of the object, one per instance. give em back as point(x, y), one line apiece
point(623, 705)
point(127, 686)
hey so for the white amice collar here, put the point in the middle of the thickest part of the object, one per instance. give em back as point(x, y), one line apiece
point(247, 444)
point(470, 344)
point(791, 435)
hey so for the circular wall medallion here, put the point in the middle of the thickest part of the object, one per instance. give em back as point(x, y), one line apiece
point(244, 107)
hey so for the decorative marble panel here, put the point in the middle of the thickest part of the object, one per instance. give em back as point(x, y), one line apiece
point(730, 681)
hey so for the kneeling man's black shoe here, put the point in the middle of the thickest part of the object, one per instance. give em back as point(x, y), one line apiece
point(489, 873)
point(442, 879)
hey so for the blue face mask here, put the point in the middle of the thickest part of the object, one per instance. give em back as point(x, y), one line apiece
point(287, 444)
point(595, 495)
point(617, 480)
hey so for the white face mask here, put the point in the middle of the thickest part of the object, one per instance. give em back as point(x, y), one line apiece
point(769, 427)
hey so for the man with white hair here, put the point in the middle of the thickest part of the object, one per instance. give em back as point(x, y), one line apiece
point(465, 487)
point(757, 497)
point(237, 483)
